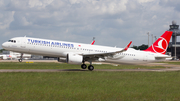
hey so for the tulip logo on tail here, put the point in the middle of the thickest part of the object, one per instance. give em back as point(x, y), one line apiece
point(160, 45)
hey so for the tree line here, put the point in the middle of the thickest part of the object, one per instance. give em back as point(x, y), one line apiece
point(142, 47)
point(1, 50)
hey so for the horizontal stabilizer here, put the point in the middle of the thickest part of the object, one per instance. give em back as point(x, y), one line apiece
point(162, 57)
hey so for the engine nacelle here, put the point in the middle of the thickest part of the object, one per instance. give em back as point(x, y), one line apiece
point(74, 58)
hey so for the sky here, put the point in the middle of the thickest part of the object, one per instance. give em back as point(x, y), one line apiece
point(111, 22)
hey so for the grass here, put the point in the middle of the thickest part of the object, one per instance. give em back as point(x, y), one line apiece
point(88, 86)
point(36, 65)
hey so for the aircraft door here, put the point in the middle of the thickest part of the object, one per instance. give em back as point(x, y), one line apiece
point(23, 42)
point(145, 57)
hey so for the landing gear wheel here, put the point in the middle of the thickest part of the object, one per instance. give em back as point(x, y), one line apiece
point(83, 66)
point(91, 67)
point(20, 60)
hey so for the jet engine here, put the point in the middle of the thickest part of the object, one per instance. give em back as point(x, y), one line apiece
point(74, 58)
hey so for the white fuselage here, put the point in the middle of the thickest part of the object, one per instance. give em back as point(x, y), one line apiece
point(55, 48)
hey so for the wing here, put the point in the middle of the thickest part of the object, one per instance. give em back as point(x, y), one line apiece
point(102, 55)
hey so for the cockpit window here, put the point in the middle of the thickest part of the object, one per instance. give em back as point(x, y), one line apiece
point(14, 41)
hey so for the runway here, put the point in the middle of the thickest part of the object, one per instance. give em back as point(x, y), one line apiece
point(169, 67)
point(81, 70)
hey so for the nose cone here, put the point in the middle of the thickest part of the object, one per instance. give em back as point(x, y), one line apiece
point(4, 45)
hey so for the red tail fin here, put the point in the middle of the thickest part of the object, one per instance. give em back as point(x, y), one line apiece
point(161, 44)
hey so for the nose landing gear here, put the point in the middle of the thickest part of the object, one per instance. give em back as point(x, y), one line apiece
point(21, 57)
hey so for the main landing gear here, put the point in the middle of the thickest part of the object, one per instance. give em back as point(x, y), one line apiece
point(90, 67)
point(83, 66)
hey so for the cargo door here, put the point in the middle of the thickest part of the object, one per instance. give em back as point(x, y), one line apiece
point(145, 57)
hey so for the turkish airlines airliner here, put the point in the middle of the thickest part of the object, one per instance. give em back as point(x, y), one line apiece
point(78, 53)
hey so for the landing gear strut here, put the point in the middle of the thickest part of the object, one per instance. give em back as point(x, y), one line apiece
point(83, 66)
point(91, 67)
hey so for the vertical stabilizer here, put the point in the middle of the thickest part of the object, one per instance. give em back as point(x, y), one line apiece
point(161, 44)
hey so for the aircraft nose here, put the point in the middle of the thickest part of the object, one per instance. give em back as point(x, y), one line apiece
point(4, 45)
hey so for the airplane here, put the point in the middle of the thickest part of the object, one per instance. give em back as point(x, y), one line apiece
point(93, 41)
point(79, 53)
point(7, 57)
point(14, 55)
